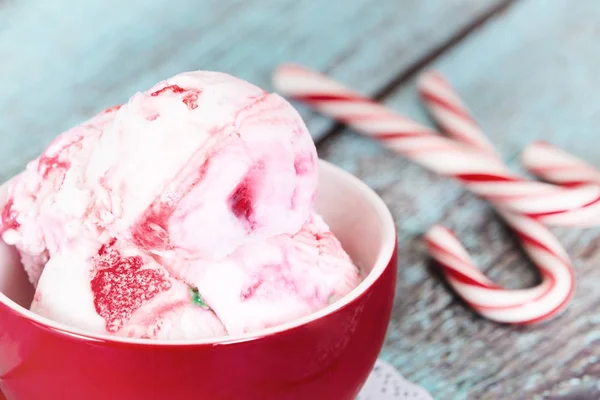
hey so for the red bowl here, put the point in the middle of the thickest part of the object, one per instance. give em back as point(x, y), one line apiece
point(327, 355)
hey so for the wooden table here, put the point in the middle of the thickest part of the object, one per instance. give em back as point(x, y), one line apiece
point(528, 69)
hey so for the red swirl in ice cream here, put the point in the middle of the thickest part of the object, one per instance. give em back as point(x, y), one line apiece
point(201, 187)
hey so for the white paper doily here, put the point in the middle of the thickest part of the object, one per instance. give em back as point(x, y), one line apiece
point(385, 383)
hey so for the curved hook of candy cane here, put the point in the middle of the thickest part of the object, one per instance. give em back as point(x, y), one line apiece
point(450, 113)
point(482, 174)
point(521, 306)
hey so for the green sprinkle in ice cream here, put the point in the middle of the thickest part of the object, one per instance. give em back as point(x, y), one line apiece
point(197, 299)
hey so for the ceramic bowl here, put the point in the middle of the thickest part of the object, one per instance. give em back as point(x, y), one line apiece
point(326, 355)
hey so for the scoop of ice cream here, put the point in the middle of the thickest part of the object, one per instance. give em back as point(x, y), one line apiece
point(202, 163)
point(185, 213)
point(118, 289)
point(121, 290)
point(48, 202)
point(277, 280)
point(193, 167)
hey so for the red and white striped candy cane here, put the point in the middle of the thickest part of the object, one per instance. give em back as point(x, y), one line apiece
point(557, 166)
point(481, 173)
point(521, 306)
point(484, 175)
point(484, 296)
point(451, 114)
point(540, 158)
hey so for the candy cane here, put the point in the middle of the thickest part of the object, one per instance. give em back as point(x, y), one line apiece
point(556, 166)
point(522, 306)
point(451, 114)
point(540, 158)
point(484, 175)
point(485, 297)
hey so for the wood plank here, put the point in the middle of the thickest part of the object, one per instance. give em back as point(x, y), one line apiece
point(62, 61)
point(529, 74)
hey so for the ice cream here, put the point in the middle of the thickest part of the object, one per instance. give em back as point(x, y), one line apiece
point(185, 213)
point(47, 201)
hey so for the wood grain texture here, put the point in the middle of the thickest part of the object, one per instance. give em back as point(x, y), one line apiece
point(529, 74)
point(62, 61)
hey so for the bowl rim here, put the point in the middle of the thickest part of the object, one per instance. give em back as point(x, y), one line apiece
point(383, 260)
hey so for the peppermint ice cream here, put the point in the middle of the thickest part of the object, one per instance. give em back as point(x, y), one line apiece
point(185, 213)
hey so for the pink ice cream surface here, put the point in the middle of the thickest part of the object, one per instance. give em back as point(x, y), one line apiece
point(49, 200)
point(185, 213)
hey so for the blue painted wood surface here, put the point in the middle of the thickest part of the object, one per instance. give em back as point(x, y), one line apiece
point(532, 73)
point(62, 61)
point(529, 73)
